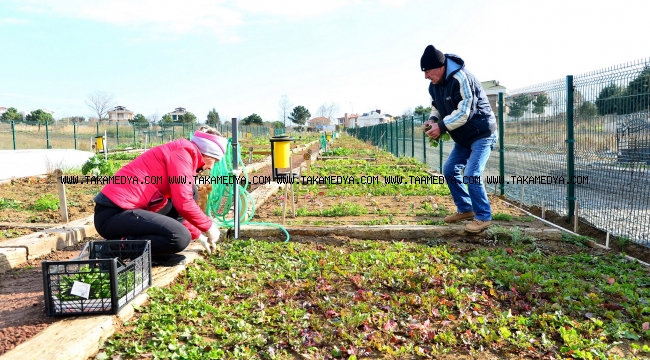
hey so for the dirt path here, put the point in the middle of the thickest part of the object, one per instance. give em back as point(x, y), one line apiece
point(22, 307)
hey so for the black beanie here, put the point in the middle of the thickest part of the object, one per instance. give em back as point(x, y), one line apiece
point(432, 58)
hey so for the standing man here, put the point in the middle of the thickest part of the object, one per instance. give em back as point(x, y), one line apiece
point(460, 107)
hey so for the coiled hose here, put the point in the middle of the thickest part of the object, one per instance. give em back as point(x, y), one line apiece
point(221, 198)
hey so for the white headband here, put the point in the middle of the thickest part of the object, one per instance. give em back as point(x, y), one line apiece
point(208, 147)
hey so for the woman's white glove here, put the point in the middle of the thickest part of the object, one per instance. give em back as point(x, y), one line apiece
point(210, 238)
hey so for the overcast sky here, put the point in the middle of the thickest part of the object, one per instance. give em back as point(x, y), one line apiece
point(240, 57)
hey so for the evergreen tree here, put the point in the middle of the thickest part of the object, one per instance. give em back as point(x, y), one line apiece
point(252, 119)
point(299, 115)
point(166, 119)
point(213, 118)
point(420, 110)
point(11, 114)
point(519, 105)
point(539, 104)
point(139, 118)
point(39, 116)
point(187, 118)
point(638, 92)
point(609, 99)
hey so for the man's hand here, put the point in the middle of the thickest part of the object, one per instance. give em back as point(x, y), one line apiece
point(211, 238)
point(434, 132)
point(432, 120)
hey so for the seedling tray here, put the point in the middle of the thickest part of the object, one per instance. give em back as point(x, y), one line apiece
point(105, 277)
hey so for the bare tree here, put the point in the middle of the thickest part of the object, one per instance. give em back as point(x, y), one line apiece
point(328, 111)
point(322, 111)
point(332, 111)
point(407, 113)
point(154, 118)
point(285, 108)
point(101, 103)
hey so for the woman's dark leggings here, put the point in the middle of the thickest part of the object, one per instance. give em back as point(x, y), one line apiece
point(164, 228)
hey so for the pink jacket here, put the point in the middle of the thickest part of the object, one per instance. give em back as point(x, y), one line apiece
point(179, 160)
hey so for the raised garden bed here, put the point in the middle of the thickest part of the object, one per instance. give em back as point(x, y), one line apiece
point(338, 298)
point(348, 189)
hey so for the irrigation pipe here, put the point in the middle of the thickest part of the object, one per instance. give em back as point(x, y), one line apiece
point(220, 199)
point(572, 233)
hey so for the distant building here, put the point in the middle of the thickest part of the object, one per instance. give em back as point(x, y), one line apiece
point(120, 113)
point(348, 121)
point(492, 89)
point(318, 122)
point(177, 112)
point(375, 117)
point(3, 110)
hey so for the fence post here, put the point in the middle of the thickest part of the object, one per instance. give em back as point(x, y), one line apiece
point(501, 146)
point(392, 125)
point(570, 191)
point(13, 133)
point(395, 135)
point(74, 126)
point(97, 128)
point(404, 136)
point(134, 140)
point(117, 132)
point(441, 143)
point(173, 132)
point(412, 136)
point(47, 135)
point(424, 144)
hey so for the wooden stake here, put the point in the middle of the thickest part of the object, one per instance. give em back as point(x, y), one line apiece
point(307, 157)
point(607, 240)
point(63, 203)
point(284, 203)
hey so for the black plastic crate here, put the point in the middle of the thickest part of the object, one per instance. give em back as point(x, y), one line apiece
point(105, 277)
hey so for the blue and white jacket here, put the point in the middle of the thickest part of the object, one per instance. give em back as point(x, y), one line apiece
point(460, 102)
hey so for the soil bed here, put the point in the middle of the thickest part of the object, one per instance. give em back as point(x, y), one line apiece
point(21, 299)
point(315, 293)
point(35, 200)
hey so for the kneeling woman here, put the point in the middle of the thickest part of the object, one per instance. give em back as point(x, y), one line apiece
point(167, 214)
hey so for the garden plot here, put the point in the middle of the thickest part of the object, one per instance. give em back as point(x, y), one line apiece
point(31, 204)
point(338, 298)
point(358, 185)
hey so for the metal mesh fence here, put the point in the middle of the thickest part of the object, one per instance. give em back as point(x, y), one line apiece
point(534, 134)
point(612, 132)
point(596, 152)
point(81, 136)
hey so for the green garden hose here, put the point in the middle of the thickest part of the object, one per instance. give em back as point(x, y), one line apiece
point(220, 199)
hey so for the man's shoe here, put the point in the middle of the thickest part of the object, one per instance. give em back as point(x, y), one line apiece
point(477, 226)
point(458, 217)
point(168, 260)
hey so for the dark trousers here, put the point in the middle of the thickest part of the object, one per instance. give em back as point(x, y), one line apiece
point(164, 228)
